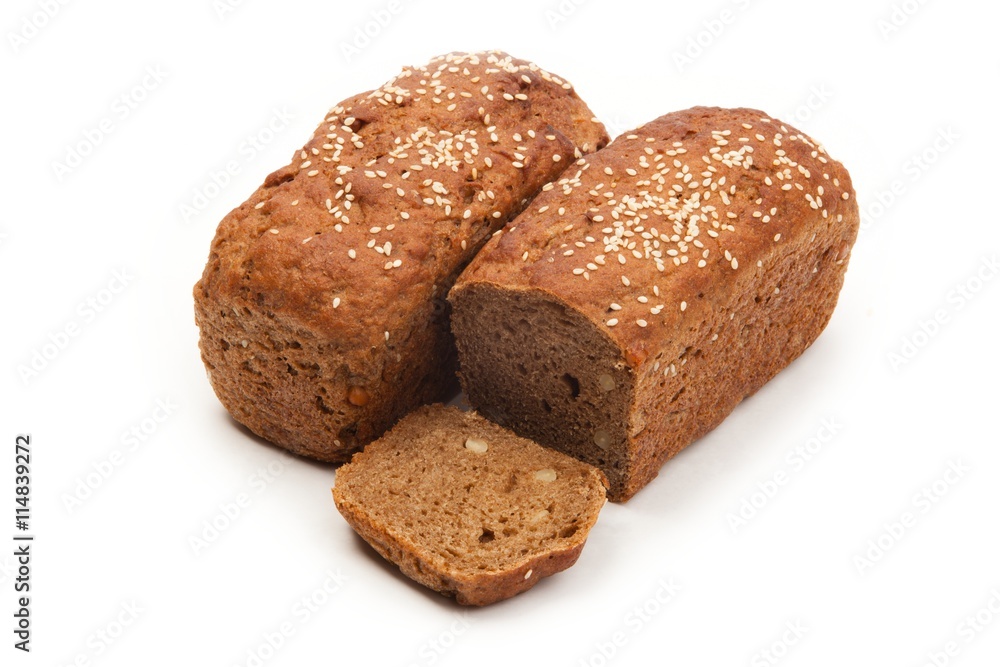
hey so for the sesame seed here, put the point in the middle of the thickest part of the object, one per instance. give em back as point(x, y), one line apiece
point(684, 305)
point(336, 302)
point(273, 231)
point(351, 253)
point(612, 322)
point(312, 172)
point(260, 205)
point(556, 157)
point(641, 323)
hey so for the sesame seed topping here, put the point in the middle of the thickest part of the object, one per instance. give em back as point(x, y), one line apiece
point(612, 322)
point(684, 305)
point(336, 302)
point(641, 323)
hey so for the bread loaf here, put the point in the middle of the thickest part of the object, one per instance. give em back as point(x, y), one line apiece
point(467, 508)
point(322, 306)
point(654, 286)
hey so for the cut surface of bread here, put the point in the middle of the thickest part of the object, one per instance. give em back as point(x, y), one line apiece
point(468, 508)
point(654, 286)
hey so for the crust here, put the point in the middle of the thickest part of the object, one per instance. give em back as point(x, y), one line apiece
point(477, 591)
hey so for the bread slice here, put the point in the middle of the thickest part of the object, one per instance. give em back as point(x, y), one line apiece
point(322, 305)
point(466, 507)
point(655, 285)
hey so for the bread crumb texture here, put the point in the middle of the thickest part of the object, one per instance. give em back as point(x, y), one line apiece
point(468, 508)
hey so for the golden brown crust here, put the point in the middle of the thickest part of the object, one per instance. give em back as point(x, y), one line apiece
point(433, 527)
point(321, 307)
point(707, 246)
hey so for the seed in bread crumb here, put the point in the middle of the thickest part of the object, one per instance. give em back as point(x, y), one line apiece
point(545, 475)
point(358, 396)
point(476, 445)
point(527, 575)
point(606, 382)
point(602, 439)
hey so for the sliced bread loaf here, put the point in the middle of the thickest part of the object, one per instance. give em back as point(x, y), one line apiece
point(655, 285)
point(466, 507)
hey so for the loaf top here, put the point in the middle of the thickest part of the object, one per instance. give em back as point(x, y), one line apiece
point(483, 512)
point(637, 231)
point(397, 188)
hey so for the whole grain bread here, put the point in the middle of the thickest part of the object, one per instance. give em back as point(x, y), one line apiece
point(466, 507)
point(322, 306)
point(659, 282)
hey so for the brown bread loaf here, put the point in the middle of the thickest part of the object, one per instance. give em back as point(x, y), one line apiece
point(468, 508)
point(659, 282)
point(321, 307)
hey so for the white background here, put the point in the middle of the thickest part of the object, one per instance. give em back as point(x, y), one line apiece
point(909, 108)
